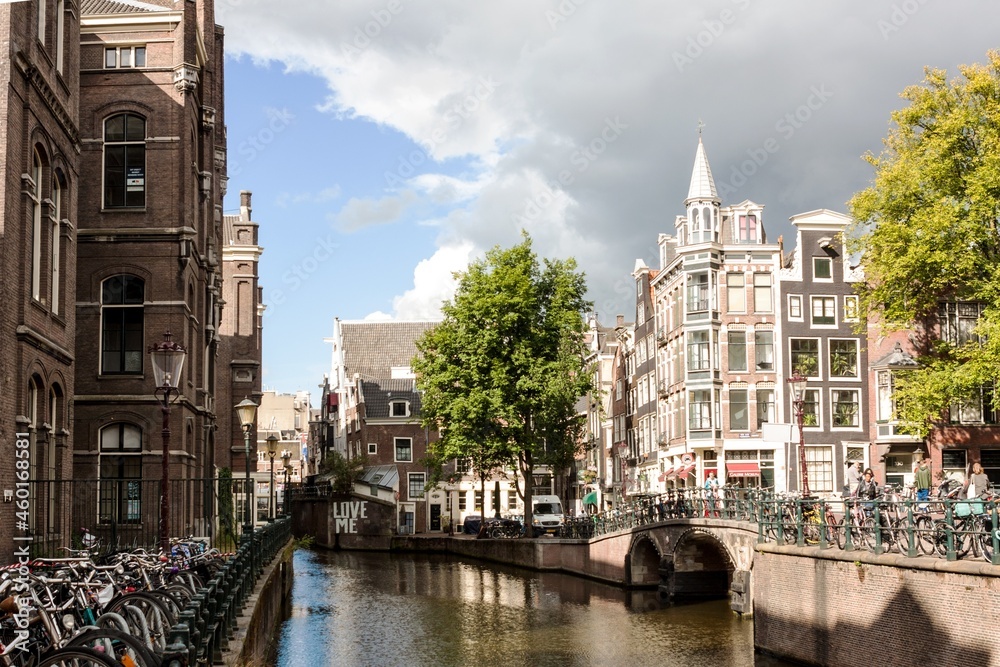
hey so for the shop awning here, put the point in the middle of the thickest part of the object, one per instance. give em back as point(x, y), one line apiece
point(590, 498)
point(665, 475)
point(742, 469)
point(684, 472)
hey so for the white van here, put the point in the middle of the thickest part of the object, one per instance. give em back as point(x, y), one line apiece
point(546, 514)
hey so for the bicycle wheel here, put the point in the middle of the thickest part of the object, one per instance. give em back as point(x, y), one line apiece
point(960, 539)
point(77, 657)
point(867, 534)
point(834, 531)
point(117, 645)
point(923, 530)
point(155, 617)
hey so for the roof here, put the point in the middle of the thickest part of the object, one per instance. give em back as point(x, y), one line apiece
point(384, 477)
point(702, 184)
point(379, 394)
point(373, 349)
point(90, 7)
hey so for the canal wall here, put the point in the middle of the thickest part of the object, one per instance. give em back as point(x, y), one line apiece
point(840, 609)
point(258, 626)
point(345, 521)
point(601, 561)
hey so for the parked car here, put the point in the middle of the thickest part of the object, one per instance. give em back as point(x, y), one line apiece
point(471, 524)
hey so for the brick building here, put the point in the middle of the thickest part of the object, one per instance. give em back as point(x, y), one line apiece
point(39, 187)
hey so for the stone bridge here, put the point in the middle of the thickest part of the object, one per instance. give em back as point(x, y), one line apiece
point(683, 558)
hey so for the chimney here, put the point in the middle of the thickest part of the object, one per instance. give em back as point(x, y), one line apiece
point(619, 320)
point(245, 207)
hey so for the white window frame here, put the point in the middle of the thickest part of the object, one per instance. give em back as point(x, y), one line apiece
point(131, 50)
point(406, 408)
point(372, 448)
point(822, 260)
point(828, 304)
point(857, 358)
point(395, 450)
point(834, 391)
point(795, 304)
point(851, 308)
point(740, 290)
point(759, 290)
point(819, 355)
point(410, 479)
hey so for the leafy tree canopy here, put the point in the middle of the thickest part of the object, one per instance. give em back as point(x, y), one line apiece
point(502, 374)
point(927, 232)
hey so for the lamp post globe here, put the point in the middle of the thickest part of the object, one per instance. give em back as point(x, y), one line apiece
point(286, 456)
point(246, 411)
point(168, 363)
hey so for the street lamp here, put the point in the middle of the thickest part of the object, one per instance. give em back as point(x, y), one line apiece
point(286, 456)
point(246, 410)
point(168, 362)
point(798, 385)
point(272, 449)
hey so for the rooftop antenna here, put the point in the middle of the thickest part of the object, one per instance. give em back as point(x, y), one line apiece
point(701, 126)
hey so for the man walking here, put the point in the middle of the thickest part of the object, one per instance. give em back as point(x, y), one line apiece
point(852, 478)
point(923, 478)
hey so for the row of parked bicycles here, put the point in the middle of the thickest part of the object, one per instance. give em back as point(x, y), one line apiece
point(945, 525)
point(112, 611)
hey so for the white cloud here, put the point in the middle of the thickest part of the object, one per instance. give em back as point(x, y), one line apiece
point(360, 213)
point(433, 283)
point(525, 90)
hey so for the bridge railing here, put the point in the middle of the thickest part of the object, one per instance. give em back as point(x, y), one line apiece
point(947, 528)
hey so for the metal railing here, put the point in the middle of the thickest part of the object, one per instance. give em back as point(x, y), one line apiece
point(206, 625)
point(109, 515)
point(951, 529)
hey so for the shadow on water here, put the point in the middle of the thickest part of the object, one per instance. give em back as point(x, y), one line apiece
point(351, 608)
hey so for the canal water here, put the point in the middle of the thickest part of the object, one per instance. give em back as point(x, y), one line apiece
point(379, 610)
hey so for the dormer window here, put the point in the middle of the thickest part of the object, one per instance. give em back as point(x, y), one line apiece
point(399, 409)
point(747, 232)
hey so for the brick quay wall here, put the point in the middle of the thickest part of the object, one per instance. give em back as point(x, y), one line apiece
point(832, 608)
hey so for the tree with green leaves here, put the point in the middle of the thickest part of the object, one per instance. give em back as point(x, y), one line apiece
point(501, 375)
point(927, 233)
point(343, 471)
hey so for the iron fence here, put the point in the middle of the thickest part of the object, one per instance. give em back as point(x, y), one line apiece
point(109, 515)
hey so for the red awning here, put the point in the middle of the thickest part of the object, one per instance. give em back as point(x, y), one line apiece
point(686, 471)
point(666, 474)
point(745, 469)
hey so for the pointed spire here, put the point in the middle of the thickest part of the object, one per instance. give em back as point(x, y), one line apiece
point(702, 183)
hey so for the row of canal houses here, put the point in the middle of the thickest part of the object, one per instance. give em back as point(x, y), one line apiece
point(698, 383)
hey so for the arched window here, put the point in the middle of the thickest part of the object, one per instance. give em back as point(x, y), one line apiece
point(36, 226)
point(54, 258)
point(121, 474)
point(124, 161)
point(122, 325)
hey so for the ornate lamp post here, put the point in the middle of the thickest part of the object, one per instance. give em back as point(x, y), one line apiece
point(168, 363)
point(798, 385)
point(285, 458)
point(272, 449)
point(246, 410)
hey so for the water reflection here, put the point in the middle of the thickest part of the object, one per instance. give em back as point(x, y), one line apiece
point(381, 609)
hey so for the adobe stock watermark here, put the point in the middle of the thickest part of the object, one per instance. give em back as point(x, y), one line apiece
point(899, 16)
point(364, 34)
point(562, 13)
point(711, 30)
point(22, 538)
point(255, 144)
point(452, 119)
point(300, 272)
point(581, 158)
point(786, 127)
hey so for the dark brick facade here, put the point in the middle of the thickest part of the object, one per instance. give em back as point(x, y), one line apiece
point(39, 186)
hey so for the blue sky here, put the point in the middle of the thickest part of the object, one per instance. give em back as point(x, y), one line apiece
point(386, 142)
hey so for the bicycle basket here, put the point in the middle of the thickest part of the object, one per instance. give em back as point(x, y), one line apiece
point(965, 509)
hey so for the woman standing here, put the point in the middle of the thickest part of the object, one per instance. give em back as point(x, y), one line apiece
point(978, 481)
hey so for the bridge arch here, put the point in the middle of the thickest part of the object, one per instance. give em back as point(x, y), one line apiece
point(699, 567)
point(642, 565)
